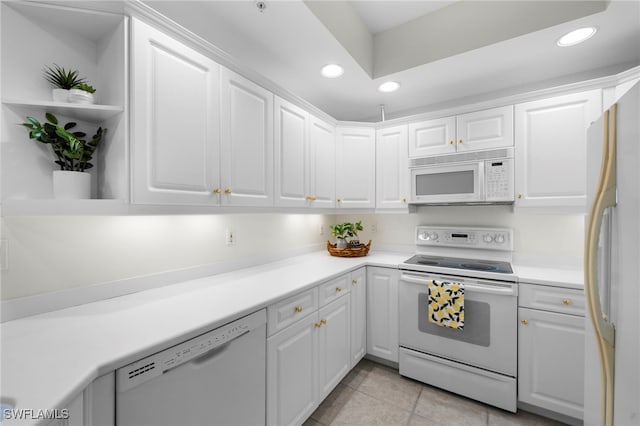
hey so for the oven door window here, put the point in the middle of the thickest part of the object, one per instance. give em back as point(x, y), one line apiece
point(451, 183)
point(477, 324)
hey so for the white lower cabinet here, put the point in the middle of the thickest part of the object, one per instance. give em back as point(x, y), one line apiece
point(358, 296)
point(382, 312)
point(551, 349)
point(94, 406)
point(307, 359)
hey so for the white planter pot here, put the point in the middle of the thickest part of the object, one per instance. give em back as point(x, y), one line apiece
point(69, 185)
point(60, 95)
point(77, 96)
point(341, 243)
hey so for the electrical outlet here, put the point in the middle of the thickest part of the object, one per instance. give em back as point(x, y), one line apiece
point(4, 254)
point(374, 228)
point(321, 229)
point(230, 238)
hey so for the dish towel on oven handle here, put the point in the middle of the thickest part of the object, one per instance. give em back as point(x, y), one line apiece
point(446, 304)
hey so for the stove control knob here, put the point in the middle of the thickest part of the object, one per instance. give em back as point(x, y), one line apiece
point(423, 236)
point(487, 238)
point(499, 238)
point(434, 236)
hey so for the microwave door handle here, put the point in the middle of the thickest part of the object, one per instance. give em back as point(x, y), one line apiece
point(481, 187)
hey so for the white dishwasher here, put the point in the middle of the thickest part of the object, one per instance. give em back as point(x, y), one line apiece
point(217, 378)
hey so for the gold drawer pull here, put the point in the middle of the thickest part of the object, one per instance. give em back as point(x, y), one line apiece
point(566, 301)
point(323, 321)
point(318, 325)
point(217, 191)
point(227, 191)
point(339, 200)
point(311, 198)
point(451, 142)
point(460, 141)
point(298, 309)
point(354, 282)
point(519, 196)
point(404, 200)
point(338, 289)
point(524, 322)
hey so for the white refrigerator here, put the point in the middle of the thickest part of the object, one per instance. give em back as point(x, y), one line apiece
point(612, 266)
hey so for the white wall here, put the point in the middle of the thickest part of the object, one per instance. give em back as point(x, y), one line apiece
point(554, 240)
point(47, 254)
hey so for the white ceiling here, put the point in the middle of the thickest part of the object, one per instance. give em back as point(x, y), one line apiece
point(288, 43)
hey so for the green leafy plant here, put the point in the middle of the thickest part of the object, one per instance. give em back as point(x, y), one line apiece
point(346, 230)
point(61, 77)
point(84, 86)
point(73, 153)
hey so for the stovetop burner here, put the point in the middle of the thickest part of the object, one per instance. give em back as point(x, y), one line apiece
point(459, 263)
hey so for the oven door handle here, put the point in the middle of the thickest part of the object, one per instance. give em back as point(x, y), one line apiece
point(508, 290)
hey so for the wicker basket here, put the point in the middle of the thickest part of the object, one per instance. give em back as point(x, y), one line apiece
point(359, 251)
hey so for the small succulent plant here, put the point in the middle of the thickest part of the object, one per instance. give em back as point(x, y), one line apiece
point(84, 86)
point(62, 78)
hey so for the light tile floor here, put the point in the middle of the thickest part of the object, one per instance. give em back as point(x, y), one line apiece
point(373, 394)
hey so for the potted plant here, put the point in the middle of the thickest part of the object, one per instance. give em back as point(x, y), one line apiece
point(72, 152)
point(81, 94)
point(344, 231)
point(63, 79)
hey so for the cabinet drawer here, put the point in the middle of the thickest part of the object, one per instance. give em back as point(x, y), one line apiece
point(555, 299)
point(286, 312)
point(333, 289)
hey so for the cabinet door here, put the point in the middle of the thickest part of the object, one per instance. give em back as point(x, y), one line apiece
point(292, 381)
point(382, 313)
point(358, 315)
point(432, 137)
point(392, 168)
point(551, 361)
point(175, 124)
point(334, 345)
point(355, 167)
point(550, 150)
point(247, 141)
point(322, 163)
point(491, 128)
point(291, 136)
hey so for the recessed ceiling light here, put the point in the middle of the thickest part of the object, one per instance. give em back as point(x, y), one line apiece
point(389, 86)
point(332, 71)
point(576, 36)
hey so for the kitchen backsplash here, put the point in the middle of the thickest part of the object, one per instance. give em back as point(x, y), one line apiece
point(47, 254)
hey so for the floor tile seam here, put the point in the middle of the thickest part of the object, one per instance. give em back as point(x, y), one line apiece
point(387, 401)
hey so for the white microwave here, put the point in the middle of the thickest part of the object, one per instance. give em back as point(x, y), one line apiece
point(482, 177)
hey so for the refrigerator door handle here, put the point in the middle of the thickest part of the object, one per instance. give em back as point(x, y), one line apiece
point(605, 197)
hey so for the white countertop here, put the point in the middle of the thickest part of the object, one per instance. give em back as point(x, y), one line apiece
point(48, 359)
point(557, 277)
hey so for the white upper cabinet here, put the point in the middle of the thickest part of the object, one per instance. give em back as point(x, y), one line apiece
point(322, 163)
point(392, 168)
point(486, 129)
point(355, 167)
point(304, 158)
point(246, 122)
point(551, 136)
point(291, 159)
point(432, 137)
point(176, 139)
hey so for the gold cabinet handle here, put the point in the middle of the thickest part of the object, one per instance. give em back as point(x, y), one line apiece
point(339, 200)
point(524, 322)
point(318, 325)
point(323, 321)
point(566, 301)
point(298, 309)
point(217, 191)
point(311, 197)
point(227, 191)
point(451, 142)
point(460, 141)
point(338, 289)
point(404, 200)
point(354, 282)
point(519, 196)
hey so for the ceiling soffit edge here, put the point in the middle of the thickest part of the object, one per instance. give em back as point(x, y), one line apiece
point(342, 20)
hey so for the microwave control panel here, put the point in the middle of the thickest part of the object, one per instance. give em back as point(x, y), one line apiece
point(499, 180)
